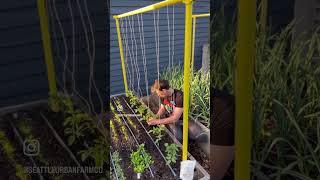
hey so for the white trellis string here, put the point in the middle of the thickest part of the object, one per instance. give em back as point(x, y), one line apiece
point(139, 92)
point(125, 38)
point(132, 54)
point(173, 23)
point(143, 51)
point(156, 28)
point(65, 64)
point(92, 62)
point(58, 52)
point(169, 35)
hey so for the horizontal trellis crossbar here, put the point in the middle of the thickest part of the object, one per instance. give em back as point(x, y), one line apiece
point(149, 8)
point(201, 15)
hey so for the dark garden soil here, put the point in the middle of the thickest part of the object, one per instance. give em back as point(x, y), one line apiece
point(159, 168)
point(7, 167)
point(193, 148)
point(146, 139)
point(56, 120)
point(52, 154)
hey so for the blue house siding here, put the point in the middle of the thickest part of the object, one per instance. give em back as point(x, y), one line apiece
point(122, 6)
point(23, 74)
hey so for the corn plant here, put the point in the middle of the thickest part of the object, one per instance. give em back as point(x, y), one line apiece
point(117, 163)
point(141, 159)
point(157, 131)
point(171, 153)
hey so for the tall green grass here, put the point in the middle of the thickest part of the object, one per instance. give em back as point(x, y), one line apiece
point(286, 133)
point(199, 91)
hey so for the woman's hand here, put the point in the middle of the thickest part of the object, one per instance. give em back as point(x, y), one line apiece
point(153, 122)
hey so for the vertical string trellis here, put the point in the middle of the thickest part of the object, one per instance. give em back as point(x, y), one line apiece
point(143, 52)
point(124, 31)
point(156, 30)
point(71, 60)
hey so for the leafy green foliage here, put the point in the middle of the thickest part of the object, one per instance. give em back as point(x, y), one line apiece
point(140, 159)
point(171, 153)
point(98, 152)
point(117, 161)
point(9, 151)
point(59, 102)
point(76, 124)
point(286, 100)
point(157, 131)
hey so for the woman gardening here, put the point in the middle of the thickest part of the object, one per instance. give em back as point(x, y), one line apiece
point(172, 104)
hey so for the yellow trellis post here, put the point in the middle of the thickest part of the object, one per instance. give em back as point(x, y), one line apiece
point(245, 54)
point(187, 56)
point(194, 21)
point(45, 34)
point(186, 74)
point(123, 66)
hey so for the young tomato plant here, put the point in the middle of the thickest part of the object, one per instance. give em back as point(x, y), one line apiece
point(99, 152)
point(134, 101)
point(76, 125)
point(157, 131)
point(141, 160)
point(171, 153)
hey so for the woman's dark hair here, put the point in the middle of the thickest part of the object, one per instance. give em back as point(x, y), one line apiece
point(161, 84)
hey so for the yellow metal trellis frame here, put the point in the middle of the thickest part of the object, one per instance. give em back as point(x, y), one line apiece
point(187, 56)
point(245, 54)
point(46, 40)
point(194, 18)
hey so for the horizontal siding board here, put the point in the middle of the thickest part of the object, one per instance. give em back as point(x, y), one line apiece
point(118, 7)
point(22, 67)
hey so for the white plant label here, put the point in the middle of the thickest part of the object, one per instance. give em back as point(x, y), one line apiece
point(187, 169)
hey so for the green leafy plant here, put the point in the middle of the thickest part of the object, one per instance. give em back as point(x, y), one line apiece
point(117, 161)
point(171, 153)
point(59, 102)
point(141, 110)
point(9, 151)
point(76, 124)
point(134, 101)
point(140, 159)
point(98, 152)
point(286, 100)
point(118, 105)
point(157, 131)
point(26, 131)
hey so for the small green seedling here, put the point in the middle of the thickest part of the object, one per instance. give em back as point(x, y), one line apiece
point(171, 151)
point(157, 131)
point(141, 160)
point(117, 161)
point(99, 152)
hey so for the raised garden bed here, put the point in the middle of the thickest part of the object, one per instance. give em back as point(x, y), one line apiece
point(48, 128)
point(127, 122)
